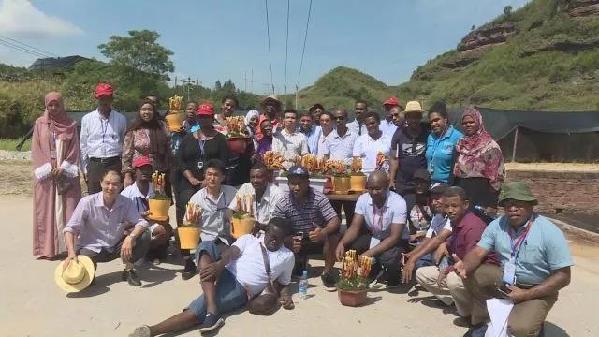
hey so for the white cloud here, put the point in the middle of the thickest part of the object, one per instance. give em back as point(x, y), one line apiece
point(19, 18)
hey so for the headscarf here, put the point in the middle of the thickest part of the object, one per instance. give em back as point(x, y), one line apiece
point(479, 155)
point(248, 117)
point(259, 134)
point(60, 123)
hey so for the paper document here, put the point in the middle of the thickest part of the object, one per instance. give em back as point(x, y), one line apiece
point(499, 311)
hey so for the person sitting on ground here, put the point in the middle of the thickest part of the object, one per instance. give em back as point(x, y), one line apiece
point(466, 231)
point(535, 259)
point(383, 213)
point(419, 211)
point(242, 273)
point(139, 193)
point(315, 223)
point(264, 196)
point(289, 142)
point(438, 222)
point(107, 226)
point(214, 221)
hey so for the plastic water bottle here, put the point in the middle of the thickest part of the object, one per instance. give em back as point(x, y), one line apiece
point(303, 285)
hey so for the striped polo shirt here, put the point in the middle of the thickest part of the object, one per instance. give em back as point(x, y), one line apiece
point(315, 212)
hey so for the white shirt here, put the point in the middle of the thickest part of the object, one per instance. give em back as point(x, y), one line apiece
point(379, 220)
point(263, 207)
point(323, 143)
point(133, 193)
point(101, 138)
point(367, 149)
point(290, 145)
point(249, 269)
point(388, 128)
point(353, 126)
point(438, 223)
point(341, 148)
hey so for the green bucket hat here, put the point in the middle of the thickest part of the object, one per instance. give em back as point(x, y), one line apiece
point(516, 190)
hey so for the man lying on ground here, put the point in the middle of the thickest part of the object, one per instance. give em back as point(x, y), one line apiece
point(383, 214)
point(243, 271)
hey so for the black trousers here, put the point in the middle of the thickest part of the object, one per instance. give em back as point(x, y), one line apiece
point(96, 169)
point(140, 248)
point(348, 207)
point(182, 198)
point(390, 260)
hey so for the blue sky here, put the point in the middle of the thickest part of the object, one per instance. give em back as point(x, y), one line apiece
point(225, 39)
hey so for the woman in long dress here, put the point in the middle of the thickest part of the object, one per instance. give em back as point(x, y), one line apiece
point(56, 189)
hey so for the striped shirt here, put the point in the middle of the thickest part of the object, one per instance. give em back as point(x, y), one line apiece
point(315, 212)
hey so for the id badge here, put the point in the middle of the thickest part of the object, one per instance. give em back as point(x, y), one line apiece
point(200, 165)
point(509, 272)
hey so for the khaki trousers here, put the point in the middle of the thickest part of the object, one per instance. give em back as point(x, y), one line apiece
point(451, 290)
point(526, 318)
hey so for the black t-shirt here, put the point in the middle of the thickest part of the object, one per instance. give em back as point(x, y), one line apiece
point(411, 154)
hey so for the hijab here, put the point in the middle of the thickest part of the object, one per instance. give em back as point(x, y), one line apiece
point(60, 123)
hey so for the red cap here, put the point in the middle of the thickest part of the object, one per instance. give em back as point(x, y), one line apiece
point(141, 162)
point(205, 109)
point(103, 89)
point(391, 101)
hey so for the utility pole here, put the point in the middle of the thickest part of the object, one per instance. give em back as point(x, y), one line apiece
point(252, 81)
point(189, 83)
point(245, 82)
point(296, 97)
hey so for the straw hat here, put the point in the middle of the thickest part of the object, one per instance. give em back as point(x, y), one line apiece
point(413, 106)
point(271, 98)
point(77, 276)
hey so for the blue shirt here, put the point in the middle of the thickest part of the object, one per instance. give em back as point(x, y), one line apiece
point(312, 138)
point(440, 154)
point(543, 251)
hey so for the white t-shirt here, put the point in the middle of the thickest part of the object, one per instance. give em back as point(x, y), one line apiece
point(249, 269)
point(367, 149)
point(379, 220)
point(262, 208)
point(133, 193)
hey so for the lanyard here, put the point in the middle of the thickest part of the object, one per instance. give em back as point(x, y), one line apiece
point(104, 129)
point(378, 225)
point(516, 242)
point(201, 143)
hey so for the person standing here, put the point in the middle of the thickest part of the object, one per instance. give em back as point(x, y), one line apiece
point(101, 139)
point(146, 137)
point(408, 148)
point(310, 130)
point(326, 125)
point(440, 145)
point(289, 142)
point(479, 164)
point(271, 109)
point(229, 104)
point(369, 146)
point(357, 126)
point(264, 137)
point(56, 189)
point(316, 110)
point(388, 125)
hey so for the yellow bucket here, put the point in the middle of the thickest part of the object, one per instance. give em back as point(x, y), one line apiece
point(242, 226)
point(174, 121)
point(159, 209)
point(189, 237)
point(357, 183)
point(341, 185)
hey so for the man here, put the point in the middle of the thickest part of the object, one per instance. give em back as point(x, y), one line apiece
point(357, 126)
point(101, 139)
point(397, 114)
point(327, 126)
point(311, 131)
point(466, 230)
point(315, 223)
point(139, 193)
point(382, 214)
point(264, 194)
point(241, 275)
point(369, 145)
point(215, 222)
point(107, 226)
point(387, 125)
point(408, 152)
point(316, 110)
point(535, 264)
point(419, 210)
point(289, 142)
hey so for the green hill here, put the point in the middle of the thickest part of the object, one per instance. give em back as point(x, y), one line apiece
point(543, 56)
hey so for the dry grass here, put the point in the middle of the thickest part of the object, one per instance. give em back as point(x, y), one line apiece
point(554, 167)
point(16, 177)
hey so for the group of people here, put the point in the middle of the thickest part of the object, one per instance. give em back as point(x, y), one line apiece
point(430, 215)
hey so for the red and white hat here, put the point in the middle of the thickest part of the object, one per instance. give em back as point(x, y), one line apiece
point(205, 109)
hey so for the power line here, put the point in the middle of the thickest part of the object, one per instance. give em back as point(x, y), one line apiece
point(14, 46)
point(286, 48)
point(305, 39)
point(269, 54)
point(43, 51)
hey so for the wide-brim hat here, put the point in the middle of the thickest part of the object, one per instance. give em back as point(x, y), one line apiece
point(516, 190)
point(413, 106)
point(271, 98)
point(78, 275)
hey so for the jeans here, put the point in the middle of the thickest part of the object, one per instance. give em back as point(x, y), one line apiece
point(230, 294)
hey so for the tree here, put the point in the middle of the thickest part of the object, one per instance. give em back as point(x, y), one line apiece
point(139, 51)
point(507, 11)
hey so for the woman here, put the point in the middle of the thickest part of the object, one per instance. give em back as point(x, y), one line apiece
point(56, 189)
point(371, 147)
point(204, 143)
point(147, 136)
point(250, 121)
point(325, 120)
point(479, 165)
point(264, 138)
point(440, 145)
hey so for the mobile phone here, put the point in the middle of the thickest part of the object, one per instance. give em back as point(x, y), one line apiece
point(504, 290)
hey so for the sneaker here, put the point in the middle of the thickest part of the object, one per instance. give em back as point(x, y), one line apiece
point(463, 322)
point(142, 331)
point(131, 277)
point(211, 323)
point(330, 279)
point(190, 270)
